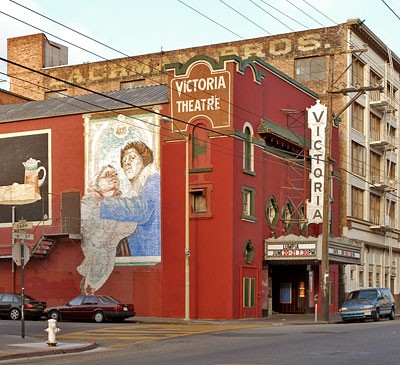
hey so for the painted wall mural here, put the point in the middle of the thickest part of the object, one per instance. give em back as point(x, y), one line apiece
point(120, 209)
point(24, 183)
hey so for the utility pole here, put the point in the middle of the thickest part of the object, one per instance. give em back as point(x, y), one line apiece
point(324, 272)
point(331, 117)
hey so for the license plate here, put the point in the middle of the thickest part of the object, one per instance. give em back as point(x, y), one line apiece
point(125, 309)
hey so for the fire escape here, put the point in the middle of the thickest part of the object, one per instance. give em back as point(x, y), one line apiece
point(383, 140)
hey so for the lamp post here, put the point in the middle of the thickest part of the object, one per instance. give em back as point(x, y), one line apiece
point(187, 216)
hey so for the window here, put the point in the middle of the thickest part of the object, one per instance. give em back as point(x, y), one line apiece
point(375, 163)
point(352, 273)
point(287, 216)
point(371, 276)
point(391, 170)
point(375, 80)
point(375, 127)
point(272, 212)
point(248, 203)
point(378, 276)
point(391, 213)
point(248, 150)
point(375, 209)
point(132, 84)
point(249, 292)
point(55, 94)
point(357, 159)
point(357, 119)
point(357, 203)
point(308, 69)
point(361, 278)
point(200, 201)
point(357, 72)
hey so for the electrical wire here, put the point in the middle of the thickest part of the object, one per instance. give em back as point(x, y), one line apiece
point(244, 16)
point(182, 2)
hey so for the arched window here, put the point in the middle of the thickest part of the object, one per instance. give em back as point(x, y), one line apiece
point(248, 149)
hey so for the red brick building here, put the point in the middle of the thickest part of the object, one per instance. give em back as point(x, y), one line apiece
point(245, 126)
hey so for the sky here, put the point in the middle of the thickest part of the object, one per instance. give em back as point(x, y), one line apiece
point(120, 28)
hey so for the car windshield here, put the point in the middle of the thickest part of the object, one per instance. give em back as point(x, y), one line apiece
point(362, 294)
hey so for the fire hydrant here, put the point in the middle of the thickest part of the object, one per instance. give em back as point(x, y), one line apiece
point(52, 329)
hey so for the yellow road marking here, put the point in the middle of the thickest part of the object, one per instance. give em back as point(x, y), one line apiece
point(141, 333)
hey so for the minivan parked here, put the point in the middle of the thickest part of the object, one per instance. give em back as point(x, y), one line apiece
point(368, 303)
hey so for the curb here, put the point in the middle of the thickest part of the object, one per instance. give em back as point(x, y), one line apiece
point(50, 351)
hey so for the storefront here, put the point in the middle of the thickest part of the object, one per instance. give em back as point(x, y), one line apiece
point(293, 263)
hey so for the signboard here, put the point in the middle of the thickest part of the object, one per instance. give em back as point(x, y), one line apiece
point(16, 253)
point(291, 250)
point(22, 236)
point(317, 120)
point(22, 225)
point(291, 247)
point(202, 91)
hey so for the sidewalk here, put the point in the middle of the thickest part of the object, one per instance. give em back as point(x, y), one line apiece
point(16, 347)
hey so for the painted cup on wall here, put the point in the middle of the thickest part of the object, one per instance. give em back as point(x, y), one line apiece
point(32, 171)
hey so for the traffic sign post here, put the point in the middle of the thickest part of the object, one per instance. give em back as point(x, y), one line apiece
point(21, 256)
point(22, 225)
point(17, 250)
point(22, 236)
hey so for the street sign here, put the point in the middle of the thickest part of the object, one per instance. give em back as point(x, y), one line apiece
point(16, 253)
point(22, 236)
point(22, 225)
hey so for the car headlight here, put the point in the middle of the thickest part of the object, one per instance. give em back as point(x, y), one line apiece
point(343, 309)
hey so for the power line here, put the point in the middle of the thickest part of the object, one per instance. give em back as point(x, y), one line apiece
point(305, 13)
point(281, 12)
point(244, 16)
point(284, 24)
point(211, 20)
point(391, 9)
point(323, 14)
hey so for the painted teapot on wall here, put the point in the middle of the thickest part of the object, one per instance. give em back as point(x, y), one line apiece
point(32, 171)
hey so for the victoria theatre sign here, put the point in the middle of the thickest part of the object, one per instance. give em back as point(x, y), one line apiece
point(201, 91)
point(317, 123)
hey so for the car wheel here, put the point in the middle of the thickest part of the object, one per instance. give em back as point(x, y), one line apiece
point(376, 317)
point(98, 317)
point(15, 314)
point(54, 315)
point(392, 314)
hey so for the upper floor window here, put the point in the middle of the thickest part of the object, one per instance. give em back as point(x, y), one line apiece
point(55, 94)
point(357, 203)
point(308, 69)
point(375, 167)
point(357, 118)
point(133, 84)
point(248, 207)
point(375, 80)
point(375, 209)
point(248, 149)
point(375, 127)
point(357, 72)
point(357, 159)
point(287, 216)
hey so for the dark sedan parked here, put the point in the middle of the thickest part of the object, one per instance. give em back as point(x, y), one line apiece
point(91, 307)
point(10, 306)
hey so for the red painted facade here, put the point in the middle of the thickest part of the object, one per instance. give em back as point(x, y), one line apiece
point(224, 282)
